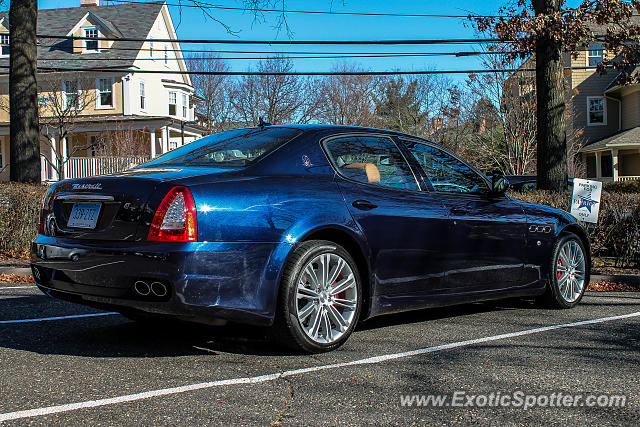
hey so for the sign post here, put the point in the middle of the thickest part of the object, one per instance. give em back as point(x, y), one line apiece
point(585, 201)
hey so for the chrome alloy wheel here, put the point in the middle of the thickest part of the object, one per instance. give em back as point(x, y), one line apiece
point(327, 298)
point(570, 271)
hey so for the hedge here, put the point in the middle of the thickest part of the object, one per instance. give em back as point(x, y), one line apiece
point(617, 233)
point(19, 215)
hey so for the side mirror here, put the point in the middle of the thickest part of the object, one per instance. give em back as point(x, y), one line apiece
point(499, 184)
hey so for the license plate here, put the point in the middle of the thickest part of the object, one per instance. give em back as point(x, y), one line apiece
point(84, 215)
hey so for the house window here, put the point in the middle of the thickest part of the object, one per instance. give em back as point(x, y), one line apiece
point(184, 105)
point(71, 94)
point(142, 96)
point(150, 49)
point(596, 111)
point(105, 93)
point(166, 56)
point(91, 45)
point(595, 53)
point(172, 103)
point(4, 44)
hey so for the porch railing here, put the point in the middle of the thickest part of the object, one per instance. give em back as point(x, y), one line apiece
point(629, 178)
point(80, 167)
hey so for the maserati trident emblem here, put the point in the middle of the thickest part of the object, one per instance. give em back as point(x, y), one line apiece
point(96, 186)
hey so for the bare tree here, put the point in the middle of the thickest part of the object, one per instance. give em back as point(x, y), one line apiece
point(121, 140)
point(506, 130)
point(276, 98)
point(347, 100)
point(215, 90)
point(62, 100)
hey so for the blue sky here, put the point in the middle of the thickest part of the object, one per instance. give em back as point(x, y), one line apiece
point(191, 23)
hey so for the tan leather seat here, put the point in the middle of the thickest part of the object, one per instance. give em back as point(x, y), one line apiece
point(372, 171)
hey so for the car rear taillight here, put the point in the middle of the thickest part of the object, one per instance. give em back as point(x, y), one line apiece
point(175, 219)
point(42, 206)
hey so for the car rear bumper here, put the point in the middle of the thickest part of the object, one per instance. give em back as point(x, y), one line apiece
point(206, 281)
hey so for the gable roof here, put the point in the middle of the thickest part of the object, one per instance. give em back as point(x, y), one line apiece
point(629, 137)
point(128, 20)
point(107, 25)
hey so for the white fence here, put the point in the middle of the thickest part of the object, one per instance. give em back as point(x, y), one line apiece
point(80, 167)
point(629, 178)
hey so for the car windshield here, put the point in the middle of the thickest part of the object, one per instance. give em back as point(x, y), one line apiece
point(235, 148)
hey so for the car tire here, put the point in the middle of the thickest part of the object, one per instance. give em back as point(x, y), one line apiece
point(307, 313)
point(568, 273)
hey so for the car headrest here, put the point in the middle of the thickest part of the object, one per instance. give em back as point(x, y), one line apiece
point(372, 171)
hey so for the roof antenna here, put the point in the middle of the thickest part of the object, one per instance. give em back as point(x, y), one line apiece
point(262, 123)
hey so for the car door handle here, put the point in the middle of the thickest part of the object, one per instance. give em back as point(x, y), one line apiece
point(459, 211)
point(364, 205)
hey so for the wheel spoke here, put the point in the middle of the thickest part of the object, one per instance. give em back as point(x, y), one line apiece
point(340, 321)
point(324, 262)
point(572, 253)
point(576, 288)
point(346, 303)
point(333, 276)
point(314, 326)
point(306, 311)
point(326, 325)
point(343, 285)
point(306, 293)
point(564, 255)
point(311, 274)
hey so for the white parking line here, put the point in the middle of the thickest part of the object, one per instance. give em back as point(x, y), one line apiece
point(45, 319)
point(274, 376)
point(2, 288)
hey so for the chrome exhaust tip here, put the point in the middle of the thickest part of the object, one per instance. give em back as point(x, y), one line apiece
point(142, 288)
point(159, 289)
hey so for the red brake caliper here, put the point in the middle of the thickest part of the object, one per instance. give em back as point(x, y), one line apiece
point(559, 265)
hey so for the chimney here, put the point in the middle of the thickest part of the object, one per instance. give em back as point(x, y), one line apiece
point(89, 3)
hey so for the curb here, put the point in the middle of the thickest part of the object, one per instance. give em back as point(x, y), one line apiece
point(20, 271)
point(623, 279)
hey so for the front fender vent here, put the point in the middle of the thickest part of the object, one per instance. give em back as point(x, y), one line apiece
point(540, 228)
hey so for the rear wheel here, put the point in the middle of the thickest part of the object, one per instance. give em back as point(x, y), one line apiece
point(320, 297)
point(569, 273)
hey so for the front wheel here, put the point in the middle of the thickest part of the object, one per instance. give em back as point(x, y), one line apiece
point(320, 298)
point(569, 273)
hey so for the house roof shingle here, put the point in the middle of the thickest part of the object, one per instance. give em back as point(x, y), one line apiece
point(630, 137)
point(129, 20)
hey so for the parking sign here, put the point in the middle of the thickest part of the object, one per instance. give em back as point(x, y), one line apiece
point(585, 201)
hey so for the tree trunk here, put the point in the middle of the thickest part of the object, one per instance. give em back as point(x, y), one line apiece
point(23, 92)
point(551, 126)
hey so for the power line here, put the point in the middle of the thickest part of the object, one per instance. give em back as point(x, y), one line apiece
point(284, 52)
point(262, 58)
point(293, 73)
point(204, 5)
point(282, 42)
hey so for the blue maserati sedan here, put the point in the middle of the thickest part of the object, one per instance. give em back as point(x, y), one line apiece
point(307, 229)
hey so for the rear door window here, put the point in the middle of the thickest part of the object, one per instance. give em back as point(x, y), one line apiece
point(371, 160)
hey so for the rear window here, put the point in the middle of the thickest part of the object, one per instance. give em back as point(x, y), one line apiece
point(234, 148)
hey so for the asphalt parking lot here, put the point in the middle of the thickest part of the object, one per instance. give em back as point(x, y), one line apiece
point(62, 369)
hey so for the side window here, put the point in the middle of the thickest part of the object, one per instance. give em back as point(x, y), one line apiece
point(446, 173)
point(370, 159)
